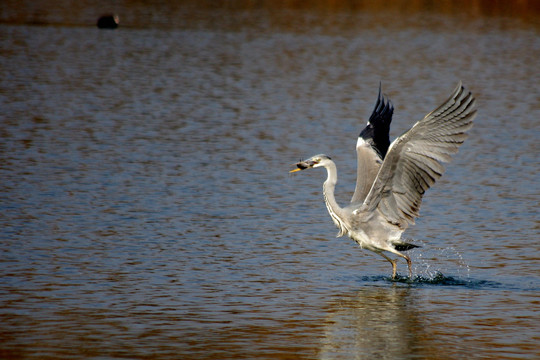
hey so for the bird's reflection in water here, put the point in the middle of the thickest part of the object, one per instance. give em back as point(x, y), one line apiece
point(375, 323)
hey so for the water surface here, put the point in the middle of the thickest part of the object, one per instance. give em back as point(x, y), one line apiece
point(146, 208)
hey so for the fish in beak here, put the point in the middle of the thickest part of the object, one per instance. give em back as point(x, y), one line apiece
point(306, 164)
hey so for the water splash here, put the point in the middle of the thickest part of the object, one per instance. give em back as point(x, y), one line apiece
point(442, 280)
point(430, 266)
point(438, 279)
point(427, 261)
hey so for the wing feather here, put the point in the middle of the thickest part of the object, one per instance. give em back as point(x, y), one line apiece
point(414, 160)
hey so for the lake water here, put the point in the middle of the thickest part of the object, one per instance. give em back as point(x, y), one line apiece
point(146, 210)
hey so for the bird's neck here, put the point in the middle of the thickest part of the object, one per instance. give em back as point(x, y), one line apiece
point(336, 212)
point(330, 184)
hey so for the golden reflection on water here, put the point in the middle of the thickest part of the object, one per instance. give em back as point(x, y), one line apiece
point(376, 322)
point(394, 323)
point(189, 12)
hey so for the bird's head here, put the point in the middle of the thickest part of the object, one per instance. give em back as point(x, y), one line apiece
point(312, 162)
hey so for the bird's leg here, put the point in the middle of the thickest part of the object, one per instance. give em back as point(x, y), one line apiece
point(394, 265)
point(409, 264)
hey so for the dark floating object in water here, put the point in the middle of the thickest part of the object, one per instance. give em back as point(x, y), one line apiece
point(108, 22)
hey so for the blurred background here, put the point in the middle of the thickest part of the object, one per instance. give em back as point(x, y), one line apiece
point(189, 13)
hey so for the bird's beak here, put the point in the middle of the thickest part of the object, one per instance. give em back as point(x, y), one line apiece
point(302, 165)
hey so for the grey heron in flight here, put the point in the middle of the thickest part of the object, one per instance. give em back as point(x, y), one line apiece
point(393, 177)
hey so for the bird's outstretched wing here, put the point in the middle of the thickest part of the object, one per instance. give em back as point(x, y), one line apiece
point(372, 145)
point(413, 162)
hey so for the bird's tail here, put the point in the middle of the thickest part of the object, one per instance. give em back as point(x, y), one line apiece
point(405, 246)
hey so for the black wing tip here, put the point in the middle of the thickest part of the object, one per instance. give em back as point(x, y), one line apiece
point(383, 110)
point(377, 130)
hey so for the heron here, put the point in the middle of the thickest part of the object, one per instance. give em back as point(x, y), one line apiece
point(393, 177)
